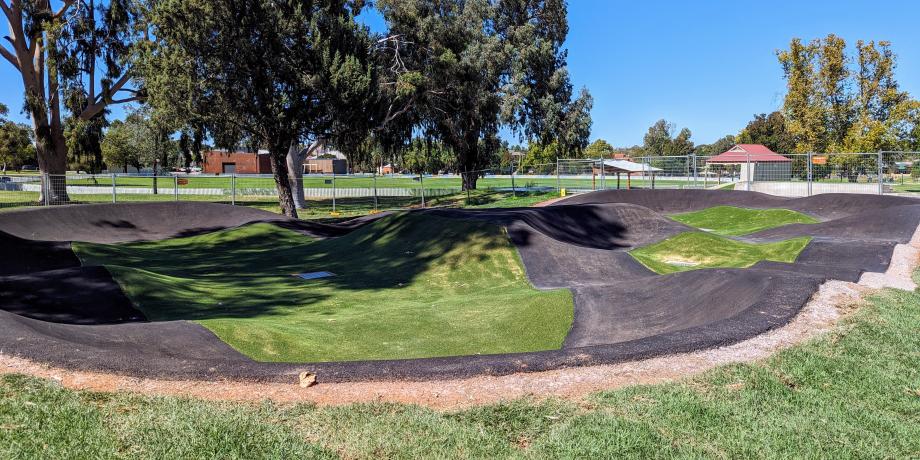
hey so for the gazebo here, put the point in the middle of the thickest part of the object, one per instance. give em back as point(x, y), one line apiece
point(764, 164)
point(627, 167)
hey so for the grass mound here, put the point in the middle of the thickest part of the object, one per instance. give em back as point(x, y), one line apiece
point(405, 287)
point(696, 250)
point(734, 221)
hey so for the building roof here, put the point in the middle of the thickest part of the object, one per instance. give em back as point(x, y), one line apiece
point(743, 153)
point(629, 166)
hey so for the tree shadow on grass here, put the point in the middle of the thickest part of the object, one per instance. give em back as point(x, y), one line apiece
point(249, 271)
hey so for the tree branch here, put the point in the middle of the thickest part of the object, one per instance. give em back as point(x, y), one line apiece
point(64, 8)
point(104, 99)
point(116, 87)
point(127, 99)
point(6, 9)
point(393, 115)
point(10, 57)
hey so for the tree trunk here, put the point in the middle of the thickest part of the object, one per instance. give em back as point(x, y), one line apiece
point(51, 152)
point(278, 157)
point(469, 180)
point(295, 176)
point(295, 159)
point(469, 161)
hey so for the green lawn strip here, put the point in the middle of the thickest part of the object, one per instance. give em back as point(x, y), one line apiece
point(317, 209)
point(734, 221)
point(406, 287)
point(851, 393)
point(345, 182)
point(906, 187)
point(696, 250)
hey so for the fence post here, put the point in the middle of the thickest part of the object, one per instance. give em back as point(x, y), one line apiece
point(696, 176)
point(176, 186)
point(748, 187)
point(558, 180)
point(233, 189)
point(646, 171)
point(421, 185)
point(881, 184)
point(376, 209)
point(46, 189)
point(114, 190)
point(603, 175)
point(810, 175)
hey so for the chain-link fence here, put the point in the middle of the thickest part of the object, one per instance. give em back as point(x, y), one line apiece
point(787, 175)
point(581, 175)
point(795, 175)
point(813, 174)
point(901, 172)
point(324, 194)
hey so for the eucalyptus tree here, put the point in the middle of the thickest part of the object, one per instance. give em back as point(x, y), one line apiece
point(274, 72)
point(474, 66)
point(72, 55)
point(540, 103)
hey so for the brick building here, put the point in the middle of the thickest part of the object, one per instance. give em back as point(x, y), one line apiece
point(223, 162)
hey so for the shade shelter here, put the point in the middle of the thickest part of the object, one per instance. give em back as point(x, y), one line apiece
point(629, 168)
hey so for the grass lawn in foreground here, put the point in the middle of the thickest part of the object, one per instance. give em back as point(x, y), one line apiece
point(853, 393)
point(406, 287)
point(696, 250)
point(734, 221)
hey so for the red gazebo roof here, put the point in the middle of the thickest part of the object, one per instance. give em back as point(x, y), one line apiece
point(742, 153)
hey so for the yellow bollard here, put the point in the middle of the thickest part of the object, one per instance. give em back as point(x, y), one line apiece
point(562, 192)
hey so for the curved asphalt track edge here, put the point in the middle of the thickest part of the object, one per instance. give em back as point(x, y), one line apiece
point(552, 257)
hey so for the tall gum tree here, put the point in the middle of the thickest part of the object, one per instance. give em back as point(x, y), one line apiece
point(272, 72)
point(73, 53)
point(476, 66)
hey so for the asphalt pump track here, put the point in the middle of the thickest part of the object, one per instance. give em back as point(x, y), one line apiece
point(54, 310)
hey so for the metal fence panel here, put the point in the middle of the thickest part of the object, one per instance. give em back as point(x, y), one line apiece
point(20, 190)
point(802, 175)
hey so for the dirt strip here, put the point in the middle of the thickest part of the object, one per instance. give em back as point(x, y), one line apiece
point(833, 301)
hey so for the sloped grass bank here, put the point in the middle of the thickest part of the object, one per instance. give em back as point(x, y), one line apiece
point(697, 250)
point(854, 393)
point(734, 221)
point(405, 287)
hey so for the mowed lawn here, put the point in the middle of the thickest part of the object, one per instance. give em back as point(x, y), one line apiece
point(734, 221)
point(407, 286)
point(696, 250)
point(853, 393)
point(244, 182)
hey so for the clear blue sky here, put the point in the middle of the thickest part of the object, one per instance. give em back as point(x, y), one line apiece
point(705, 65)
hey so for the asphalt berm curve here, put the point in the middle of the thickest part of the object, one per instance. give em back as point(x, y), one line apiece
point(53, 310)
